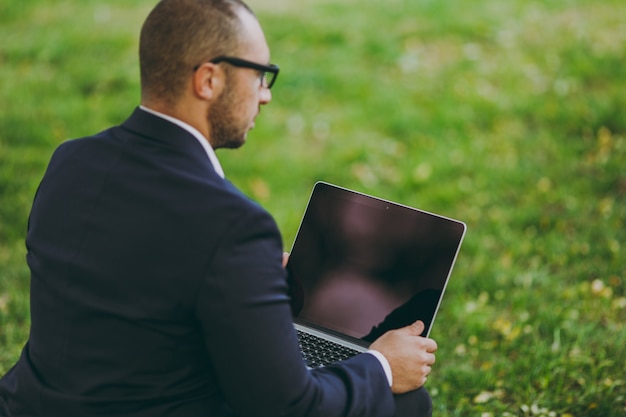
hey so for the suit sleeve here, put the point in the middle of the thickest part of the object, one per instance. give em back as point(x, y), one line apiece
point(248, 330)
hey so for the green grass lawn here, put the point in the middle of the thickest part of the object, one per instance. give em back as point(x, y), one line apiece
point(509, 115)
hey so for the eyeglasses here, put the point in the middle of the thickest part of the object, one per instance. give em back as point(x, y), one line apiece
point(268, 72)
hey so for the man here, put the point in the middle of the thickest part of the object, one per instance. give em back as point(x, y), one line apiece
point(157, 288)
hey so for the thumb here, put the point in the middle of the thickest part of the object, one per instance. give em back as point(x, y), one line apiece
point(416, 328)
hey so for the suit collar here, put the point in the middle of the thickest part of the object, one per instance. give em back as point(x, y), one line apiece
point(154, 127)
point(195, 133)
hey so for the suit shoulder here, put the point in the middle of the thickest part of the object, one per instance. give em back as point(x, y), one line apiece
point(242, 205)
point(84, 143)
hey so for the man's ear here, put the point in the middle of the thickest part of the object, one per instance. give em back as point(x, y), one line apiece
point(208, 81)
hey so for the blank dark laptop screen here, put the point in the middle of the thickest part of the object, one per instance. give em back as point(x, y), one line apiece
point(361, 266)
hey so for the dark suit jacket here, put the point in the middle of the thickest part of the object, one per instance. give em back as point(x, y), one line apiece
point(157, 289)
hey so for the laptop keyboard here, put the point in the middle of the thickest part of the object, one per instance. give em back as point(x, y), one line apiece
point(319, 352)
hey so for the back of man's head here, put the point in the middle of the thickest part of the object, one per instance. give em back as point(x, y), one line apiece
point(180, 34)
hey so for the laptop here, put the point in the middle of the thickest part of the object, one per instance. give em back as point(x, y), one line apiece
point(360, 266)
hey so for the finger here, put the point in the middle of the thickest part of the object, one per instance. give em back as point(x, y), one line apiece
point(430, 345)
point(285, 258)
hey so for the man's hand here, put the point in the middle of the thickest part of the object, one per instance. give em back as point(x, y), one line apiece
point(410, 356)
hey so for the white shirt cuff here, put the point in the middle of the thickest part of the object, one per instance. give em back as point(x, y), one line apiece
point(385, 363)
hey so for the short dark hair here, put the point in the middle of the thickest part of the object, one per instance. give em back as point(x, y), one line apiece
point(178, 35)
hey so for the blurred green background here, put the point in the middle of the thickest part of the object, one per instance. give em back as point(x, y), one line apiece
point(509, 115)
